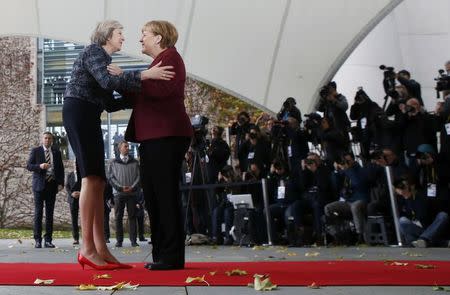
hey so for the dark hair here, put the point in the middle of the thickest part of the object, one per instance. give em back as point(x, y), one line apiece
point(405, 72)
point(244, 113)
point(332, 84)
point(48, 133)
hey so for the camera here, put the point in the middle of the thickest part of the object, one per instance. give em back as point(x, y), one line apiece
point(389, 81)
point(409, 109)
point(361, 96)
point(309, 161)
point(313, 121)
point(253, 135)
point(199, 141)
point(442, 82)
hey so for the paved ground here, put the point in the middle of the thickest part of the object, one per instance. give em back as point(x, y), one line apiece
point(23, 251)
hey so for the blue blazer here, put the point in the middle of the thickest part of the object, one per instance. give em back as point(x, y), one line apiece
point(37, 157)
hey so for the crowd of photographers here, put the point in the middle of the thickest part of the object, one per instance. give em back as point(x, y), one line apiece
point(323, 171)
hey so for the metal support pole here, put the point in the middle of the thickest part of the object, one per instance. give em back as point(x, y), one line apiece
point(393, 205)
point(267, 211)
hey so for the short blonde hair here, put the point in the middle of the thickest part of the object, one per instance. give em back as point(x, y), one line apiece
point(104, 30)
point(165, 29)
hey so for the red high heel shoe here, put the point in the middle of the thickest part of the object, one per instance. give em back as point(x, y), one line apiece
point(84, 261)
point(120, 265)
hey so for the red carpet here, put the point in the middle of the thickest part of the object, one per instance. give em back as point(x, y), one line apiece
point(323, 273)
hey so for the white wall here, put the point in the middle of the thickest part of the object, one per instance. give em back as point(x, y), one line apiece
point(415, 36)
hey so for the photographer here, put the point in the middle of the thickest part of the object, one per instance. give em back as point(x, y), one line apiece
point(224, 211)
point(297, 148)
point(333, 141)
point(240, 128)
point(412, 86)
point(442, 115)
point(334, 106)
point(418, 128)
point(289, 110)
point(218, 154)
point(414, 227)
point(258, 150)
point(367, 113)
point(353, 184)
point(283, 191)
point(318, 191)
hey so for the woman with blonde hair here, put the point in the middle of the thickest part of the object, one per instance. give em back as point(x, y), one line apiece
point(88, 94)
point(160, 124)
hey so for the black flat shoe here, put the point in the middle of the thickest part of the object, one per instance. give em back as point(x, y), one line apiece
point(163, 266)
point(49, 245)
point(38, 244)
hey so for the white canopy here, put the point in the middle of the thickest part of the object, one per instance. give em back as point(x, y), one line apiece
point(259, 50)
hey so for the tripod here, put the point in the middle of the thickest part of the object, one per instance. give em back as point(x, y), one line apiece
point(202, 213)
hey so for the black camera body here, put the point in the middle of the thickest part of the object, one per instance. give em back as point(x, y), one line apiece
point(389, 76)
point(199, 141)
point(442, 82)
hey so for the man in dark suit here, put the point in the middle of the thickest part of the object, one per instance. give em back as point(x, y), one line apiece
point(73, 188)
point(48, 177)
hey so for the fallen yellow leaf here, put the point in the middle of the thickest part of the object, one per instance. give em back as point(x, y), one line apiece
point(395, 263)
point(236, 272)
point(196, 279)
point(314, 286)
point(292, 254)
point(262, 283)
point(312, 254)
point(86, 287)
point(425, 266)
point(103, 276)
point(43, 282)
point(213, 273)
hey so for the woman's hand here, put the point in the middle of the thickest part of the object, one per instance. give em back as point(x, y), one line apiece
point(158, 73)
point(114, 70)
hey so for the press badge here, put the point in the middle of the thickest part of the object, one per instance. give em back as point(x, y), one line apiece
point(281, 192)
point(251, 155)
point(447, 128)
point(188, 177)
point(363, 123)
point(289, 151)
point(431, 190)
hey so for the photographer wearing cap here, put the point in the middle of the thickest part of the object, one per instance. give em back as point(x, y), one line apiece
point(334, 106)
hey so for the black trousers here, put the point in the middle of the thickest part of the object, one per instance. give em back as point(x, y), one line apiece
point(161, 161)
point(74, 209)
point(46, 197)
point(119, 209)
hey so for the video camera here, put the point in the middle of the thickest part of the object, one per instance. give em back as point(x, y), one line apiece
point(199, 141)
point(442, 82)
point(313, 124)
point(325, 90)
point(389, 81)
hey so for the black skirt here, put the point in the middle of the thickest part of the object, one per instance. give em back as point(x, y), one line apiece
point(82, 122)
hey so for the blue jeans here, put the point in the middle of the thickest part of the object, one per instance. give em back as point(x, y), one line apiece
point(412, 232)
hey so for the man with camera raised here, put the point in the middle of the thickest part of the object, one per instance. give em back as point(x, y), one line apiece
point(334, 106)
point(412, 86)
point(368, 114)
point(418, 128)
point(240, 128)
